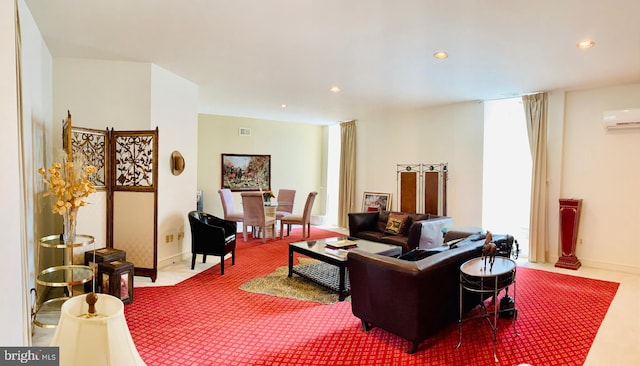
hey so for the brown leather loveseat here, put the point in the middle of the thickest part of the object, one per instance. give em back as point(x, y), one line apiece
point(420, 230)
point(412, 299)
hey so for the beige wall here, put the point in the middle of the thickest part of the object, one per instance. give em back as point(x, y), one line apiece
point(295, 149)
point(603, 168)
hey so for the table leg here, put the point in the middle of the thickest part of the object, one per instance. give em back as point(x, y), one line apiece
point(494, 327)
point(290, 261)
point(515, 309)
point(341, 287)
point(460, 316)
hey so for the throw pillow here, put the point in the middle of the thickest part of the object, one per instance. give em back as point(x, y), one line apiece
point(396, 223)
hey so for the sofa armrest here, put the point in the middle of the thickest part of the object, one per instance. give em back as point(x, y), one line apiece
point(454, 233)
point(229, 227)
point(375, 279)
point(362, 221)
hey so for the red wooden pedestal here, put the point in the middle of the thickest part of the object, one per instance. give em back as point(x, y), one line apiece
point(569, 220)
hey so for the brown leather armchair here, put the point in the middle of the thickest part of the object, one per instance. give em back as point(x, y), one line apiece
point(413, 300)
point(212, 235)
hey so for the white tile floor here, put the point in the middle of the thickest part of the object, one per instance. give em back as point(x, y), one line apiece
point(618, 339)
point(617, 342)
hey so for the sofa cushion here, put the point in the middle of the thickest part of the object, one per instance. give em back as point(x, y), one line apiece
point(383, 218)
point(397, 224)
point(399, 240)
point(371, 235)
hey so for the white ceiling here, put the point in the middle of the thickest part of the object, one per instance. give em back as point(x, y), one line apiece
point(249, 57)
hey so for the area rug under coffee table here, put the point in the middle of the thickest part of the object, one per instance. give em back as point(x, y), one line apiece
point(279, 284)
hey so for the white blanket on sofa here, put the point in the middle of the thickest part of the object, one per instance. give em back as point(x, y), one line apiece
point(431, 235)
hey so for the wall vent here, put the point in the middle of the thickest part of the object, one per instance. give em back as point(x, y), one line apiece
point(243, 131)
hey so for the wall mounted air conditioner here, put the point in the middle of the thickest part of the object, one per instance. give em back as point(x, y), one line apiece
point(623, 118)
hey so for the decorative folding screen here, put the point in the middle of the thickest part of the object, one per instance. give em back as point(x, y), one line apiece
point(423, 188)
point(127, 163)
point(134, 203)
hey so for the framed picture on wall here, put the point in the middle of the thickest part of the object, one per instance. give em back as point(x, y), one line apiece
point(376, 201)
point(242, 172)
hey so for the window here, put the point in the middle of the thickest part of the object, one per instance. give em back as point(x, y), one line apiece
point(506, 196)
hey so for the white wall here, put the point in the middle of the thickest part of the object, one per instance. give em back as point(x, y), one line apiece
point(37, 132)
point(13, 314)
point(135, 96)
point(100, 95)
point(295, 149)
point(584, 162)
point(22, 212)
point(449, 134)
point(603, 168)
point(174, 109)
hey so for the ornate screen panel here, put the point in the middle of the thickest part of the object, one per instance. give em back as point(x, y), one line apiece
point(134, 160)
point(92, 147)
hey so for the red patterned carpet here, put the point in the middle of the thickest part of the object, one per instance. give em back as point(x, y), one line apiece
point(207, 320)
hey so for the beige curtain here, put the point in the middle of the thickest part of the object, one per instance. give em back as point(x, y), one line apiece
point(27, 263)
point(347, 184)
point(535, 107)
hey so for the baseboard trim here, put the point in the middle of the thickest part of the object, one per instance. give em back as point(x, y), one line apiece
point(603, 265)
point(180, 257)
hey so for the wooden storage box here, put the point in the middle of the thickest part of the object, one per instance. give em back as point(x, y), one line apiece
point(116, 278)
point(105, 255)
point(101, 255)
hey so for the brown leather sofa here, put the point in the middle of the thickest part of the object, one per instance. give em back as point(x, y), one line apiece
point(424, 230)
point(412, 299)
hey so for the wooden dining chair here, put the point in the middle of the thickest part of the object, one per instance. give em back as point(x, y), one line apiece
point(304, 219)
point(254, 216)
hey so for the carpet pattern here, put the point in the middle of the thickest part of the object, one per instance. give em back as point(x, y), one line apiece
point(279, 284)
point(208, 320)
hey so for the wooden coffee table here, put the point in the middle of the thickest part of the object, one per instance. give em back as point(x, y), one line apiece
point(331, 272)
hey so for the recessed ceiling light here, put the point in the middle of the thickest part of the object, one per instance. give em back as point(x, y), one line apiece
point(586, 43)
point(335, 89)
point(441, 55)
point(283, 106)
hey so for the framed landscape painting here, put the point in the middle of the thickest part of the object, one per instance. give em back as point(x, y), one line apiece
point(242, 172)
point(376, 201)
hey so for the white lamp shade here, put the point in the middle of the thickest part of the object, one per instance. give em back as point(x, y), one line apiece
point(103, 340)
